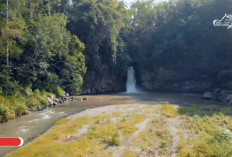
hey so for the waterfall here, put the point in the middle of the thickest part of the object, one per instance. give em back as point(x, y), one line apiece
point(131, 81)
point(70, 2)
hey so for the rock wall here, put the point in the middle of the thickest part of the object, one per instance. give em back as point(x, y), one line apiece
point(169, 79)
point(102, 82)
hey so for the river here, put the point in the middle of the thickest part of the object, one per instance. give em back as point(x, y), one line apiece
point(34, 124)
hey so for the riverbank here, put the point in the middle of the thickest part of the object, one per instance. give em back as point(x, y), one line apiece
point(36, 123)
point(138, 130)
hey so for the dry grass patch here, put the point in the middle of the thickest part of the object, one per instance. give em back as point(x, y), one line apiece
point(155, 136)
point(168, 111)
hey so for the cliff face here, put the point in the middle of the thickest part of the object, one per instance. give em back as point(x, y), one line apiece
point(185, 78)
point(102, 82)
point(171, 80)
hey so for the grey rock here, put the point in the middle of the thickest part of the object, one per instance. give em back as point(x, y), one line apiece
point(208, 95)
point(85, 98)
point(228, 97)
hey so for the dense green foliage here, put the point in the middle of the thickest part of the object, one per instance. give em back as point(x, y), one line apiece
point(36, 52)
point(46, 45)
point(177, 41)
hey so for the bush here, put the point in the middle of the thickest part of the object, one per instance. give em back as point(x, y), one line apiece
point(21, 109)
point(33, 103)
point(37, 99)
point(57, 90)
point(4, 113)
point(18, 104)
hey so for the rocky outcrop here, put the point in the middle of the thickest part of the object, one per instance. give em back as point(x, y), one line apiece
point(208, 95)
point(163, 79)
point(102, 82)
point(53, 101)
point(219, 95)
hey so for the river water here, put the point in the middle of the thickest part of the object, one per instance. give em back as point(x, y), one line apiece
point(37, 123)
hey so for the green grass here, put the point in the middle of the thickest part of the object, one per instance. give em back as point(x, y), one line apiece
point(101, 136)
point(210, 132)
point(204, 131)
point(61, 121)
point(127, 125)
point(204, 110)
point(155, 136)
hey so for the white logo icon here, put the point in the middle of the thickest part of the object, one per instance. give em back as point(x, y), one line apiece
point(226, 21)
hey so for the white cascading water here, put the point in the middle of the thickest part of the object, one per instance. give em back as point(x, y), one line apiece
point(131, 81)
point(70, 2)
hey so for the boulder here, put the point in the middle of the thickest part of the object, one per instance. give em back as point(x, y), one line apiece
point(229, 102)
point(66, 94)
point(54, 103)
point(56, 100)
point(50, 101)
point(52, 97)
point(228, 97)
point(208, 95)
point(85, 98)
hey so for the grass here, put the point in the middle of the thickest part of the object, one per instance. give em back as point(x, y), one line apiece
point(210, 132)
point(98, 141)
point(20, 104)
point(155, 136)
point(61, 121)
point(168, 111)
point(129, 153)
point(204, 131)
point(204, 110)
point(127, 125)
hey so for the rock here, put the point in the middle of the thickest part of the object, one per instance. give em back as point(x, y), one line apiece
point(230, 102)
point(105, 82)
point(228, 97)
point(54, 103)
point(60, 101)
point(208, 95)
point(56, 100)
point(73, 98)
point(85, 98)
point(221, 95)
point(52, 97)
point(50, 101)
point(64, 98)
point(66, 94)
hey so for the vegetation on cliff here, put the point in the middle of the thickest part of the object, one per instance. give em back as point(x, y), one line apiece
point(173, 45)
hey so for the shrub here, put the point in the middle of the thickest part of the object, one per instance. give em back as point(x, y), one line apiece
point(33, 103)
point(57, 90)
point(21, 109)
point(18, 104)
point(4, 113)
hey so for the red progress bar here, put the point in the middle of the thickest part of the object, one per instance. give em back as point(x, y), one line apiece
point(11, 141)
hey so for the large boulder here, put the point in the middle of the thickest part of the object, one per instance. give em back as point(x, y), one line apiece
point(229, 97)
point(50, 101)
point(208, 95)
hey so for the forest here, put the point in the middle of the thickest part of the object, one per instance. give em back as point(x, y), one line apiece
point(85, 47)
